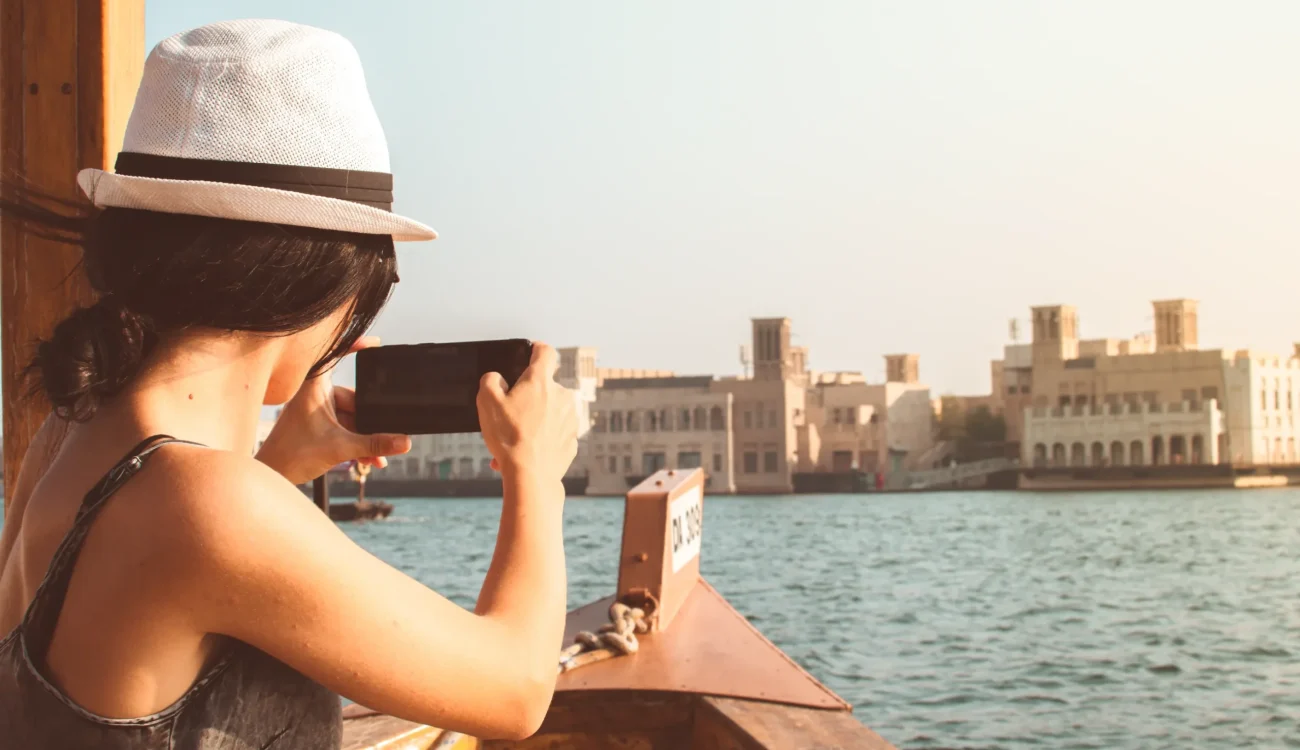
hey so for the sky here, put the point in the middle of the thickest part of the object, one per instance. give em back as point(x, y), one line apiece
point(646, 177)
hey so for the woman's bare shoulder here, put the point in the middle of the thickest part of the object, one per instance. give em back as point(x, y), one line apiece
point(219, 508)
point(215, 491)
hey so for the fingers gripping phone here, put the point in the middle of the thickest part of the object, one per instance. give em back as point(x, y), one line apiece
point(431, 389)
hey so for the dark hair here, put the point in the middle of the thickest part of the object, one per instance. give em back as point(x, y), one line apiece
point(161, 273)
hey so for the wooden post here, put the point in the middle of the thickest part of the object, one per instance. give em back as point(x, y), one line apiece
point(69, 70)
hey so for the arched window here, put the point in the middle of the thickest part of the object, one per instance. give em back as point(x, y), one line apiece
point(634, 421)
point(1058, 455)
point(1040, 454)
point(1078, 455)
point(1136, 454)
point(1117, 453)
point(1177, 449)
point(1098, 454)
point(1198, 449)
point(717, 420)
point(651, 421)
point(1157, 450)
point(701, 421)
point(684, 420)
point(1278, 455)
point(616, 421)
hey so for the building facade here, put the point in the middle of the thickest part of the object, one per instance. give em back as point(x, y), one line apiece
point(784, 419)
point(1161, 392)
point(642, 425)
point(1143, 434)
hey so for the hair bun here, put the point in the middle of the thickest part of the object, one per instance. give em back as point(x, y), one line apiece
point(91, 355)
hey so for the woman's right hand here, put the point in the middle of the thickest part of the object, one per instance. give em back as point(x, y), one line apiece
point(531, 428)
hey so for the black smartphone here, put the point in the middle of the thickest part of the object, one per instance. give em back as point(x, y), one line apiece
point(431, 389)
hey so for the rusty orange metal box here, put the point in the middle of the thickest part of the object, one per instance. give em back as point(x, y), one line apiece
point(663, 521)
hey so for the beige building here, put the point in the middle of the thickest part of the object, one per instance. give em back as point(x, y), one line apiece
point(1166, 393)
point(760, 429)
point(1126, 434)
point(642, 425)
point(842, 430)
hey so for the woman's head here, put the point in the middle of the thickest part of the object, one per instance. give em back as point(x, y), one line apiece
point(265, 129)
point(163, 275)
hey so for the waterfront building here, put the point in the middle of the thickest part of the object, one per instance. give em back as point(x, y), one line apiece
point(753, 433)
point(1144, 401)
point(642, 425)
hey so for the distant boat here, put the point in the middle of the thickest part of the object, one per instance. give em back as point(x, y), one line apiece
point(360, 510)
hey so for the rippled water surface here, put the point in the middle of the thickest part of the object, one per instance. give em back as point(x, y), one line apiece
point(982, 620)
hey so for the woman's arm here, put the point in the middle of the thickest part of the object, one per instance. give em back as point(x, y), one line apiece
point(258, 562)
point(276, 573)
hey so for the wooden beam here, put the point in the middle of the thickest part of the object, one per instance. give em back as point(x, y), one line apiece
point(732, 724)
point(69, 70)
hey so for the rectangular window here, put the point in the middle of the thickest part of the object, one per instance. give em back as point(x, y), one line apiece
point(613, 464)
point(749, 420)
point(627, 464)
point(751, 462)
point(835, 416)
point(1011, 390)
point(1189, 395)
point(717, 462)
point(652, 462)
point(771, 419)
point(769, 462)
point(1210, 393)
point(684, 420)
point(688, 460)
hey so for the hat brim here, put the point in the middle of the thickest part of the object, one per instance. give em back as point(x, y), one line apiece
point(247, 203)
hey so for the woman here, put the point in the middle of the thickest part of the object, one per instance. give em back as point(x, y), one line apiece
point(182, 593)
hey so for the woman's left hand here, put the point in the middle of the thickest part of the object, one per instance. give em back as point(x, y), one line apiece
point(315, 431)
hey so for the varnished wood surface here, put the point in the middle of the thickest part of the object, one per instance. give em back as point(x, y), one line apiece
point(711, 649)
point(730, 724)
point(69, 70)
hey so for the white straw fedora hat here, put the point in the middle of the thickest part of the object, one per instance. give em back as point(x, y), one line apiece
point(261, 121)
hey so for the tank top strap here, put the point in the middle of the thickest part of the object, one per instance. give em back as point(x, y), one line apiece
point(43, 612)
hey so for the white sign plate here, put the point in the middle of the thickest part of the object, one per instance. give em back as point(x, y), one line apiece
point(685, 527)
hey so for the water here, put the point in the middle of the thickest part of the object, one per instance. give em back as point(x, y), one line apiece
point(981, 620)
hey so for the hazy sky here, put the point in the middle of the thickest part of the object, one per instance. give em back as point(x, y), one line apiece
point(644, 177)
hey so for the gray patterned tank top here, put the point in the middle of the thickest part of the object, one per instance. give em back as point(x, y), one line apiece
point(245, 701)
